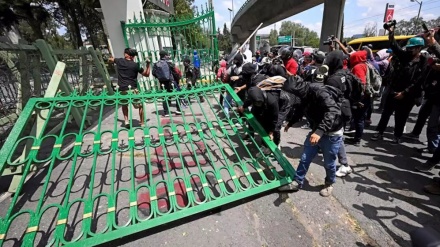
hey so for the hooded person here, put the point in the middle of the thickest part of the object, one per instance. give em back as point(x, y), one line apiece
point(321, 106)
point(337, 77)
point(265, 108)
point(235, 80)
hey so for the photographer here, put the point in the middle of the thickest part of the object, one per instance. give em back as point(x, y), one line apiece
point(405, 88)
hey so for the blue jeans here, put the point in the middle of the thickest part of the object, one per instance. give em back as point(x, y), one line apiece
point(227, 104)
point(330, 147)
point(432, 131)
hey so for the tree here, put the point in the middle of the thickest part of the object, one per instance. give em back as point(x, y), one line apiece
point(370, 30)
point(224, 39)
point(273, 37)
point(300, 33)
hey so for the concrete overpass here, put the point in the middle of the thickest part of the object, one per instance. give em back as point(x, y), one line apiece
point(254, 12)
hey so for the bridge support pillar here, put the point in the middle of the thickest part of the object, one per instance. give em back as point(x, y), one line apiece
point(114, 12)
point(253, 44)
point(332, 20)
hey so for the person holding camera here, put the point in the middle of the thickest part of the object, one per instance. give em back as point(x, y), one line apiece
point(128, 71)
point(405, 88)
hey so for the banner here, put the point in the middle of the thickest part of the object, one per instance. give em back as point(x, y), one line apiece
point(166, 5)
point(389, 13)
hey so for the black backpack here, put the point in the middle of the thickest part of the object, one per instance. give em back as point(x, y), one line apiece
point(353, 88)
point(162, 71)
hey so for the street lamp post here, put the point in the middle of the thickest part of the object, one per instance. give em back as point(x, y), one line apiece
point(418, 15)
point(230, 18)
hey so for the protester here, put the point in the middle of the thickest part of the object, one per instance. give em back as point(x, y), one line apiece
point(324, 115)
point(128, 71)
point(405, 88)
point(286, 55)
point(234, 78)
point(162, 71)
point(192, 74)
point(196, 60)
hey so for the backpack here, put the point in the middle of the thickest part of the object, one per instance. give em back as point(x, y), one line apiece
point(162, 71)
point(353, 88)
point(374, 80)
point(272, 83)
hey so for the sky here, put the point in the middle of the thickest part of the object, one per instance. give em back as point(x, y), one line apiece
point(358, 13)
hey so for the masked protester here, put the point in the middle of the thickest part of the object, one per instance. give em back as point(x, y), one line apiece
point(192, 74)
point(128, 71)
point(405, 89)
point(432, 89)
point(235, 80)
point(286, 55)
point(338, 77)
point(321, 106)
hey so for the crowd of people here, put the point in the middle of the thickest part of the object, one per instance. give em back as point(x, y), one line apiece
point(333, 90)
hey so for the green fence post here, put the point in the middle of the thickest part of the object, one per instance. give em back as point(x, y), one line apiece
point(100, 65)
point(64, 85)
point(37, 128)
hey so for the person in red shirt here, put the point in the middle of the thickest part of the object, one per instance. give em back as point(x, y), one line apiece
point(286, 54)
point(358, 63)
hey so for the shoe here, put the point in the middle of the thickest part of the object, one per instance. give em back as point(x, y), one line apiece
point(178, 112)
point(411, 136)
point(396, 141)
point(305, 126)
point(166, 114)
point(432, 189)
point(426, 167)
point(238, 125)
point(327, 190)
point(353, 142)
point(343, 171)
point(127, 124)
point(293, 186)
point(425, 150)
point(266, 151)
point(279, 147)
point(377, 137)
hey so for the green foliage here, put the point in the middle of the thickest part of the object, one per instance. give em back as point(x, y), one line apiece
point(273, 37)
point(224, 39)
point(302, 35)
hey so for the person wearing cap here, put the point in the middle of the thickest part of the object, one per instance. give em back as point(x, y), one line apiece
point(128, 71)
point(235, 80)
point(315, 65)
point(405, 88)
point(168, 84)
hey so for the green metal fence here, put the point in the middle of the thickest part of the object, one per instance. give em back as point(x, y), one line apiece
point(25, 71)
point(90, 185)
point(180, 36)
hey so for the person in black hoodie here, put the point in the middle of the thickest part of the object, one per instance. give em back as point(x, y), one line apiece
point(337, 77)
point(322, 107)
point(265, 108)
point(405, 88)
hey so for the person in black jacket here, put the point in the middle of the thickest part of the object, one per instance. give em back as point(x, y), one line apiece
point(405, 88)
point(321, 106)
point(265, 108)
point(337, 77)
point(433, 188)
point(192, 73)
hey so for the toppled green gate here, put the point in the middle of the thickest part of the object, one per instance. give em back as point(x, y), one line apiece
point(93, 185)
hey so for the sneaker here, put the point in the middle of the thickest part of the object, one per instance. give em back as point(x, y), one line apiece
point(411, 136)
point(396, 141)
point(377, 137)
point(432, 189)
point(293, 186)
point(178, 112)
point(426, 167)
point(279, 147)
point(343, 171)
point(327, 190)
point(353, 142)
point(305, 126)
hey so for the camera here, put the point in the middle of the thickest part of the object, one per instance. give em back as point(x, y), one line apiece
point(329, 40)
point(388, 25)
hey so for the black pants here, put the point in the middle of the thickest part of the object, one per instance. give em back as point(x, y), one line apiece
point(401, 108)
point(167, 102)
point(370, 108)
point(424, 112)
